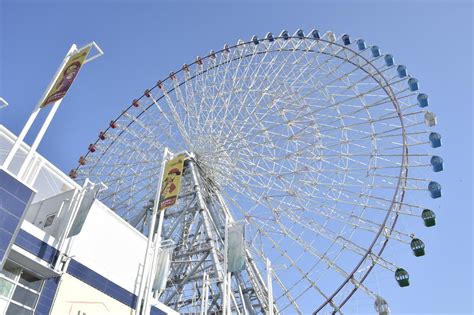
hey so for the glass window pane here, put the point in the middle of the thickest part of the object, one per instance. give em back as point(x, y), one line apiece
point(6, 288)
point(14, 309)
point(10, 271)
point(25, 297)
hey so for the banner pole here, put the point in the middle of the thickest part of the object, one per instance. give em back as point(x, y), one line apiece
point(151, 274)
point(29, 123)
point(146, 263)
point(269, 287)
point(157, 249)
point(225, 294)
point(22, 175)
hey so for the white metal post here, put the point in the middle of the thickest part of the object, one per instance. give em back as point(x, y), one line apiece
point(229, 295)
point(37, 141)
point(225, 300)
point(74, 205)
point(269, 287)
point(33, 115)
point(203, 294)
point(146, 263)
point(156, 252)
point(3, 103)
point(23, 173)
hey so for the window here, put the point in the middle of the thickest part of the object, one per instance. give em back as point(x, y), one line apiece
point(7, 285)
point(49, 220)
point(25, 297)
point(6, 288)
point(19, 291)
point(15, 309)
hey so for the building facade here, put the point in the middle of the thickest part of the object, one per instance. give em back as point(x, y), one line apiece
point(46, 268)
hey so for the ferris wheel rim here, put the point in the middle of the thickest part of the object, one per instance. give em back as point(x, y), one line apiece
point(403, 167)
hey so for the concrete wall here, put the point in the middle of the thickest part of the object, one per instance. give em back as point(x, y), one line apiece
point(110, 246)
point(58, 206)
point(74, 296)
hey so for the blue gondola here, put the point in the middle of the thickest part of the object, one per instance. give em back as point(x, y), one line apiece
point(346, 39)
point(375, 51)
point(269, 37)
point(437, 163)
point(315, 34)
point(402, 71)
point(422, 100)
point(435, 139)
point(389, 60)
point(361, 44)
point(413, 84)
point(300, 34)
point(435, 189)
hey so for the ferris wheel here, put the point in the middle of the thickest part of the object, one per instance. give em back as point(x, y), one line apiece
point(318, 144)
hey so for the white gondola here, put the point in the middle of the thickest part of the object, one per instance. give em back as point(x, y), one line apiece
point(430, 119)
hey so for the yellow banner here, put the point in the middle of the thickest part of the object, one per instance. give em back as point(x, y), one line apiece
point(65, 79)
point(171, 183)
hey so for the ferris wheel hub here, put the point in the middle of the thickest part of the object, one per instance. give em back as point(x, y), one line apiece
point(216, 162)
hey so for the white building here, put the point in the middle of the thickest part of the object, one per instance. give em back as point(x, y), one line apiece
point(97, 271)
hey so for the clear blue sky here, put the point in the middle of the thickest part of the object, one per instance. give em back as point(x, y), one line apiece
point(145, 40)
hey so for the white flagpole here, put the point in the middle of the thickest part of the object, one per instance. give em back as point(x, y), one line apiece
point(269, 287)
point(156, 252)
point(33, 115)
point(146, 264)
point(22, 175)
point(225, 299)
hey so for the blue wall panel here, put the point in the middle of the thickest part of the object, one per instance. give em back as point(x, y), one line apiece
point(47, 296)
point(36, 247)
point(100, 283)
point(14, 198)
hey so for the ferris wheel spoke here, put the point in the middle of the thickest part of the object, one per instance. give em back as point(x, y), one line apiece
point(321, 204)
point(320, 229)
point(119, 190)
point(285, 291)
point(354, 97)
point(276, 73)
point(160, 110)
point(323, 257)
point(177, 118)
point(238, 84)
point(223, 77)
point(232, 85)
point(284, 254)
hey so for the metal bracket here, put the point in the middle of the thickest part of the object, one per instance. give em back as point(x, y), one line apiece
point(99, 51)
point(3, 103)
